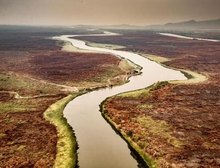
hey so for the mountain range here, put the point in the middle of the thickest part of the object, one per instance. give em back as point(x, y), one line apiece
point(189, 25)
point(186, 25)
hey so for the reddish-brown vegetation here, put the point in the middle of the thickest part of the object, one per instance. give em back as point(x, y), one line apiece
point(26, 139)
point(40, 58)
point(190, 112)
point(29, 64)
point(192, 118)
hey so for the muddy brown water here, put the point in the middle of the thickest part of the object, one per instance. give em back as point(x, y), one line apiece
point(99, 145)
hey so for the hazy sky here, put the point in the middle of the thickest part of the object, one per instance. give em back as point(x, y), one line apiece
point(139, 12)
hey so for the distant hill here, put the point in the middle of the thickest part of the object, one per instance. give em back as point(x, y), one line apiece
point(121, 26)
point(189, 25)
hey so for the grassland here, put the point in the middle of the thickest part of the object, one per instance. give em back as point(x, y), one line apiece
point(37, 80)
point(170, 125)
point(175, 124)
point(66, 155)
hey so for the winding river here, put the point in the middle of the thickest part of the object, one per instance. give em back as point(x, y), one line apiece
point(99, 145)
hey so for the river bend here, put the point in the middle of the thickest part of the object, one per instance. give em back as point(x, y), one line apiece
point(99, 145)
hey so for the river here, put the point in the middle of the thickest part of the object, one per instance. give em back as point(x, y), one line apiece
point(99, 145)
point(187, 37)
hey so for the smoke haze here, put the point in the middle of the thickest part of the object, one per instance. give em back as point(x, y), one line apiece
point(105, 12)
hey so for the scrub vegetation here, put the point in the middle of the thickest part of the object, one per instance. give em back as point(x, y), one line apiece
point(175, 124)
point(37, 80)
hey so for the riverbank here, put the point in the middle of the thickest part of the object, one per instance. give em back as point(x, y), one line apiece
point(156, 127)
point(66, 150)
point(176, 123)
point(84, 131)
point(126, 128)
point(192, 77)
point(66, 155)
point(144, 159)
point(46, 77)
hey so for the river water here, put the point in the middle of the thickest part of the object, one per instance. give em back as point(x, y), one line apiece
point(99, 145)
point(187, 37)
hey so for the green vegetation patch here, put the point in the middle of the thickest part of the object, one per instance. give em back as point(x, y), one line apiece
point(18, 106)
point(66, 145)
point(108, 46)
point(21, 147)
point(187, 75)
point(25, 85)
point(145, 106)
point(2, 135)
point(143, 92)
point(128, 66)
point(110, 72)
point(159, 128)
point(135, 94)
point(147, 158)
point(155, 58)
point(25, 105)
point(158, 85)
